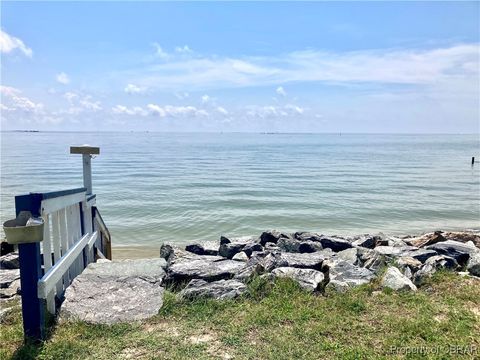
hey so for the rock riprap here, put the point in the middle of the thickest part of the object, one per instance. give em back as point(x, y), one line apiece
point(317, 261)
point(9, 261)
point(9, 282)
point(9, 276)
point(123, 291)
point(220, 289)
point(395, 280)
point(309, 279)
point(206, 269)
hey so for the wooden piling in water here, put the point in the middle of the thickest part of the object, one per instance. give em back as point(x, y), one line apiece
point(473, 160)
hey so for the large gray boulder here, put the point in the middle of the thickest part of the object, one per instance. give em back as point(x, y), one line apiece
point(307, 236)
point(220, 290)
point(154, 269)
point(252, 247)
point(241, 256)
point(432, 265)
point(272, 261)
point(455, 249)
point(334, 243)
point(9, 282)
point(106, 299)
point(395, 280)
point(421, 254)
point(342, 275)
point(464, 237)
point(271, 247)
point(394, 251)
point(371, 259)
point(308, 246)
point(307, 260)
point(348, 255)
point(8, 276)
point(231, 246)
point(408, 265)
point(202, 249)
point(395, 242)
point(244, 240)
point(367, 241)
point(426, 239)
point(289, 245)
point(254, 266)
point(298, 246)
point(182, 256)
point(9, 261)
point(206, 269)
point(473, 265)
point(166, 251)
point(229, 250)
point(272, 236)
point(309, 279)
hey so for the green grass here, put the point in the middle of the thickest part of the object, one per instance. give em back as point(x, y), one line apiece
point(279, 321)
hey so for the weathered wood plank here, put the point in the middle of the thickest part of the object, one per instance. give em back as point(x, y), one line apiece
point(49, 280)
point(57, 203)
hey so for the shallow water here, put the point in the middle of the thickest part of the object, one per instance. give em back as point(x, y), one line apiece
point(155, 187)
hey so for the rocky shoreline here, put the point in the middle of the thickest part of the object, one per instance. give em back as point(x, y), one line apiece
point(129, 290)
point(318, 262)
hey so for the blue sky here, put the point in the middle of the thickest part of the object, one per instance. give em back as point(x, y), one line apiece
point(296, 67)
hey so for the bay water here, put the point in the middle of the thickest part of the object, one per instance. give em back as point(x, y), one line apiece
point(184, 187)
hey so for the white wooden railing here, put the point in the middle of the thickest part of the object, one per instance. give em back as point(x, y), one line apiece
point(67, 230)
point(74, 235)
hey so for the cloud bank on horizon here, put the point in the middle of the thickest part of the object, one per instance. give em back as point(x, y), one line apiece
point(363, 83)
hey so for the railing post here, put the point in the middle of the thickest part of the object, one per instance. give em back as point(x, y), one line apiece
point(87, 172)
point(86, 208)
point(87, 152)
point(33, 309)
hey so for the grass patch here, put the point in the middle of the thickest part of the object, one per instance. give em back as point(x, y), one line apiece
point(280, 321)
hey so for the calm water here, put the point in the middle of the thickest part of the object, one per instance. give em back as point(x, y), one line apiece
point(154, 187)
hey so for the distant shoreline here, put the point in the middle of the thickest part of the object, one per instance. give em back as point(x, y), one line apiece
point(232, 132)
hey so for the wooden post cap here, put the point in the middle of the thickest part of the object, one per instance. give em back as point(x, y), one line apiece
point(85, 149)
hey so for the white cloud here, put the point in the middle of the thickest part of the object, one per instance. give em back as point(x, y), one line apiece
point(295, 109)
point(159, 52)
point(160, 111)
point(70, 96)
point(13, 100)
point(271, 111)
point(386, 66)
point(133, 89)
point(19, 111)
point(63, 78)
point(89, 104)
point(177, 53)
point(181, 95)
point(80, 103)
point(222, 110)
point(281, 91)
point(176, 111)
point(9, 43)
point(183, 49)
point(123, 110)
point(156, 110)
point(205, 99)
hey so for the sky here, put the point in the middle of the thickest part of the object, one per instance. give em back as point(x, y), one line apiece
point(359, 67)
